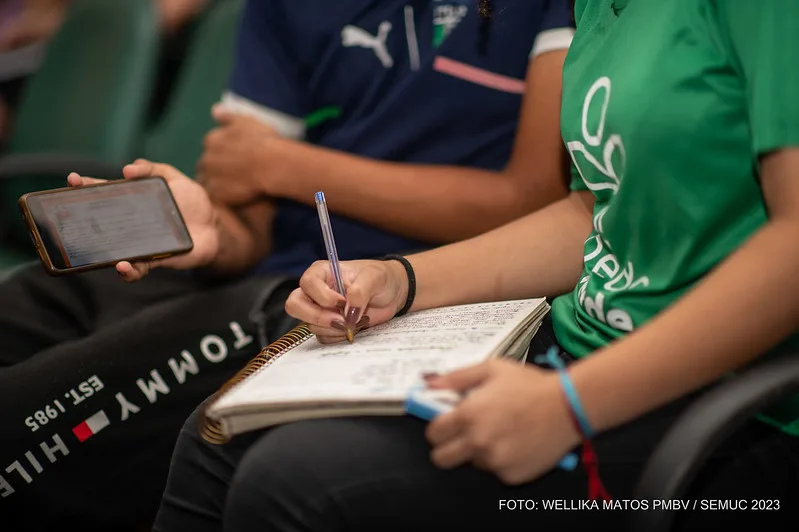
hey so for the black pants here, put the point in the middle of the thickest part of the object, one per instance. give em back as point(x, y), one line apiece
point(363, 473)
point(96, 378)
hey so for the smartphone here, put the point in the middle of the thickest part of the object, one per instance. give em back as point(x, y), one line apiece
point(96, 226)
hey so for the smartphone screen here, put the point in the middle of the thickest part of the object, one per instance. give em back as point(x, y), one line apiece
point(106, 224)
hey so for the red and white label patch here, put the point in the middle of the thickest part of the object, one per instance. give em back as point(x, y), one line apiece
point(91, 426)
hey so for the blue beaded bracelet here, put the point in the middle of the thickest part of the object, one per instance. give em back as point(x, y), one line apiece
point(575, 404)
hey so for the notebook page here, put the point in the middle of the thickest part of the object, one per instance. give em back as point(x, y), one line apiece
point(385, 361)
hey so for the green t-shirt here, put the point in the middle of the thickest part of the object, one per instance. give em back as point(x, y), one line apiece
point(666, 107)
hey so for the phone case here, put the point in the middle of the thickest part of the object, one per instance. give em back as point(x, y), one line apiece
point(38, 243)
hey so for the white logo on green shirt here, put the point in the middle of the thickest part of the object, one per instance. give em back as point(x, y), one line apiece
point(601, 262)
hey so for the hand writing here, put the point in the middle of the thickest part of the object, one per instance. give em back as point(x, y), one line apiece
point(375, 291)
point(514, 422)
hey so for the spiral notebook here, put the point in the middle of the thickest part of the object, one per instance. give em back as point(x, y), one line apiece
point(297, 377)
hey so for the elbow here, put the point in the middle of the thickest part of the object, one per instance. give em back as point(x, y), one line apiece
point(517, 197)
point(541, 194)
point(531, 187)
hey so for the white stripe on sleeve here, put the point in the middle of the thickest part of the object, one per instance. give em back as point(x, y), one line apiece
point(284, 124)
point(554, 39)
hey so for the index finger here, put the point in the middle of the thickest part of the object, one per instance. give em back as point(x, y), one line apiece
point(445, 427)
point(133, 271)
point(76, 180)
point(455, 422)
point(463, 379)
point(315, 284)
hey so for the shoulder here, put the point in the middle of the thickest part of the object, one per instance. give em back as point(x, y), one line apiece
point(295, 24)
point(586, 11)
point(299, 12)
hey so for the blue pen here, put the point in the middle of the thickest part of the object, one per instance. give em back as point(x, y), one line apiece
point(330, 247)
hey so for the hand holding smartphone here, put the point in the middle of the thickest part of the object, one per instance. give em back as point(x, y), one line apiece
point(77, 229)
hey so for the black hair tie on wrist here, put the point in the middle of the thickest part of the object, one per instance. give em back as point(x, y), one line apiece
point(411, 282)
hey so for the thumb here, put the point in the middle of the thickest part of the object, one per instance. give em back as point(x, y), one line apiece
point(463, 379)
point(133, 271)
point(76, 180)
point(366, 284)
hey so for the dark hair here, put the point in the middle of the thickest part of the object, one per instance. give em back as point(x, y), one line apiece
point(486, 10)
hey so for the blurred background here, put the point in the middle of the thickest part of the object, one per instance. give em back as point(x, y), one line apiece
point(90, 85)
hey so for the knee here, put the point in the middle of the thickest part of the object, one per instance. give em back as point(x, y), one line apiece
point(285, 481)
point(311, 475)
point(192, 453)
point(199, 473)
point(190, 433)
point(266, 488)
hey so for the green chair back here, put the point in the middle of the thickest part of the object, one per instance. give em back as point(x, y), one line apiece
point(89, 97)
point(91, 93)
point(177, 138)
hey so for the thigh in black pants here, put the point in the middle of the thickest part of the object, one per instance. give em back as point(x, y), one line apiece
point(97, 376)
point(367, 474)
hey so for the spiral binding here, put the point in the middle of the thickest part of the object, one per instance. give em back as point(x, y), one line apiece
point(211, 430)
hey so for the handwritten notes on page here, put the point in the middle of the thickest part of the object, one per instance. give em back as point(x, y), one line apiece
point(385, 361)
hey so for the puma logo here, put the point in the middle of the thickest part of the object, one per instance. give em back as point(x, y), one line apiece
point(355, 36)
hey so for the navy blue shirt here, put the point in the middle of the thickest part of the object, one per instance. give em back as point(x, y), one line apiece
point(413, 81)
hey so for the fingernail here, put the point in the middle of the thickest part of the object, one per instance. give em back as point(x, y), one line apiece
point(429, 376)
point(338, 325)
point(352, 316)
point(363, 323)
point(341, 305)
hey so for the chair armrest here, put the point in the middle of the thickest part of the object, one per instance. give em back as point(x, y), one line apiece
point(56, 164)
point(700, 430)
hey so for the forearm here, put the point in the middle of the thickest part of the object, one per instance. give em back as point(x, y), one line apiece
point(741, 310)
point(244, 237)
point(438, 204)
point(535, 256)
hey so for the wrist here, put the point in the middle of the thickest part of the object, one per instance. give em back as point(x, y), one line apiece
point(570, 404)
point(408, 288)
point(282, 157)
point(578, 426)
point(602, 409)
point(575, 422)
point(563, 412)
point(400, 279)
point(221, 234)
